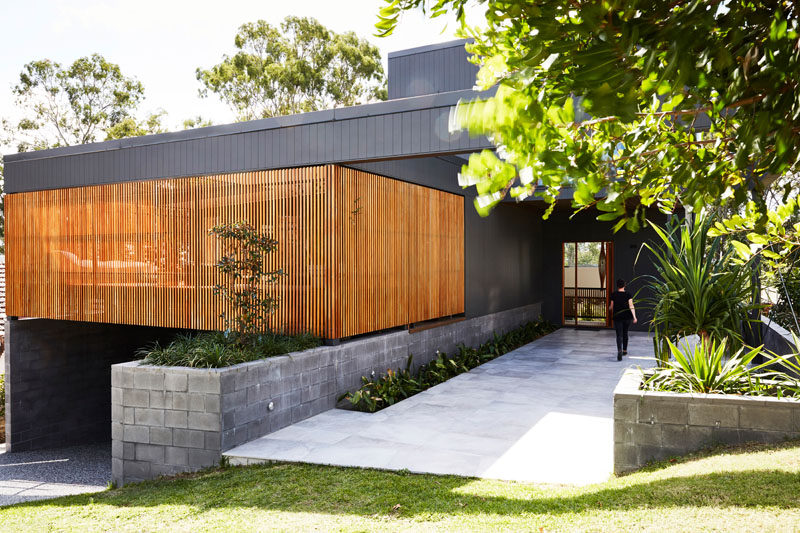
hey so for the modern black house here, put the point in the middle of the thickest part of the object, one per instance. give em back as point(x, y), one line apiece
point(107, 245)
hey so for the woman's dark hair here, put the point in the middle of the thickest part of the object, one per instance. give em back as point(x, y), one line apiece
point(620, 283)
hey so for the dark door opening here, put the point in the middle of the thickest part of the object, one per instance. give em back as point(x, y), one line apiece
point(586, 275)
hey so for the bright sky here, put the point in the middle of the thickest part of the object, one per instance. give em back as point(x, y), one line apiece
point(162, 42)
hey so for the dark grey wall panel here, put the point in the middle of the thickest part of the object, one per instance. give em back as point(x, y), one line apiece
point(430, 70)
point(504, 258)
point(361, 133)
point(559, 228)
point(58, 379)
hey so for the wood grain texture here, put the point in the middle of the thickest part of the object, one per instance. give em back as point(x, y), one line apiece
point(360, 252)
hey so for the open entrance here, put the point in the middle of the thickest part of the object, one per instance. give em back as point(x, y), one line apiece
point(587, 268)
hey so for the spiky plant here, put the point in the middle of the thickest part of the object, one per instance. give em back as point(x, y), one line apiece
point(699, 289)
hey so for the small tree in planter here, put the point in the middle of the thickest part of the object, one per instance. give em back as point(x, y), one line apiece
point(243, 273)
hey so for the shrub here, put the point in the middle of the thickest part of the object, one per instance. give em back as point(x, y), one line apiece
point(699, 289)
point(215, 349)
point(397, 385)
point(243, 274)
point(706, 369)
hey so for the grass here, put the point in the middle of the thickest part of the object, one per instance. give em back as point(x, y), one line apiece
point(214, 349)
point(755, 489)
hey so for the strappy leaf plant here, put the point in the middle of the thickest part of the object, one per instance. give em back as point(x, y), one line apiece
point(698, 289)
point(705, 368)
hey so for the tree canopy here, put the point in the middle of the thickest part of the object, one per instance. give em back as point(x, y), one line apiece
point(300, 66)
point(631, 104)
point(64, 106)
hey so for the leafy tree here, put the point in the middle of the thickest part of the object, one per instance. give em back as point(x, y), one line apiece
point(243, 273)
point(197, 122)
point(130, 127)
point(631, 104)
point(71, 105)
point(301, 66)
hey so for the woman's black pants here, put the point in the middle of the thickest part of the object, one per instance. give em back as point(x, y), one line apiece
point(622, 327)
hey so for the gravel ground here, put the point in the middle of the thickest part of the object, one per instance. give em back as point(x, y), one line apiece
point(26, 476)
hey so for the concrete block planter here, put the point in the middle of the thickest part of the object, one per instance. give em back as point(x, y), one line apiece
point(650, 426)
point(167, 420)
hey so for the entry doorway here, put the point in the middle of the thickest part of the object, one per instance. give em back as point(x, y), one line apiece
point(587, 268)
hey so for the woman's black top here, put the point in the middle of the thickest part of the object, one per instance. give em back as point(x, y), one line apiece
point(622, 309)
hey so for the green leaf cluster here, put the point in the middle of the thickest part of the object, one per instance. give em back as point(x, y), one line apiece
point(397, 385)
point(628, 104)
point(706, 368)
point(297, 67)
point(697, 288)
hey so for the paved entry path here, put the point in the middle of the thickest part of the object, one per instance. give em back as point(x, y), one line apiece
point(541, 413)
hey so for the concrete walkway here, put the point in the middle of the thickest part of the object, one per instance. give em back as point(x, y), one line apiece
point(541, 413)
point(27, 476)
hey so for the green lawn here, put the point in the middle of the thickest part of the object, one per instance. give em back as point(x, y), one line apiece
point(754, 489)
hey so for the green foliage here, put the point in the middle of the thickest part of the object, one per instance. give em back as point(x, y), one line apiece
point(706, 369)
point(242, 269)
point(301, 66)
point(71, 105)
point(216, 349)
point(698, 289)
point(394, 386)
point(197, 122)
point(603, 98)
point(130, 127)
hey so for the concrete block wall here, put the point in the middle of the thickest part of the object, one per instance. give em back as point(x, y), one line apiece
point(167, 420)
point(775, 338)
point(652, 426)
point(58, 379)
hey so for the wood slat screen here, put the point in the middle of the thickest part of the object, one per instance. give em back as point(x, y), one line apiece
point(361, 252)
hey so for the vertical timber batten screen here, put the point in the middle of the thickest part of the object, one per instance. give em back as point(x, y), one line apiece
point(361, 252)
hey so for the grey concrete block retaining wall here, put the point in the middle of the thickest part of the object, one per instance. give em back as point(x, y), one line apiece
point(650, 426)
point(167, 420)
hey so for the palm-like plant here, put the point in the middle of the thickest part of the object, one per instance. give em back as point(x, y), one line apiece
point(705, 368)
point(699, 289)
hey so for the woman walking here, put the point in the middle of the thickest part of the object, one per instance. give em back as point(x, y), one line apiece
point(622, 312)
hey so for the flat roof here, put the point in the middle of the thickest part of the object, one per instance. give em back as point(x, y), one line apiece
point(399, 105)
point(429, 48)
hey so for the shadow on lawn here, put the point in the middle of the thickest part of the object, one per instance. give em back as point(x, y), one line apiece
point(334, 490)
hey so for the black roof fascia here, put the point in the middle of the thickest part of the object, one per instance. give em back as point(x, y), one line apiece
point(429, 48)
point(414, 103)
point(397, 129)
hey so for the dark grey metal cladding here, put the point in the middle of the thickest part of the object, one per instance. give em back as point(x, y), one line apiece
point(413, 127)
point(430, 69)
point(435, 172)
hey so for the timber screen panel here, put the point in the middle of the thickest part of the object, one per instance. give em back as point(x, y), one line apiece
point(361, 252)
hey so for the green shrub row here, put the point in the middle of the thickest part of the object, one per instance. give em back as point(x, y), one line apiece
point(389, 389)
point(216, 349)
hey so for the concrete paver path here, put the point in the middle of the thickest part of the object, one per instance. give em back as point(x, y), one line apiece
point(541, 413)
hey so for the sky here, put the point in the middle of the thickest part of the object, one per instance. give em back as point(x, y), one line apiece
point(162, 42)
